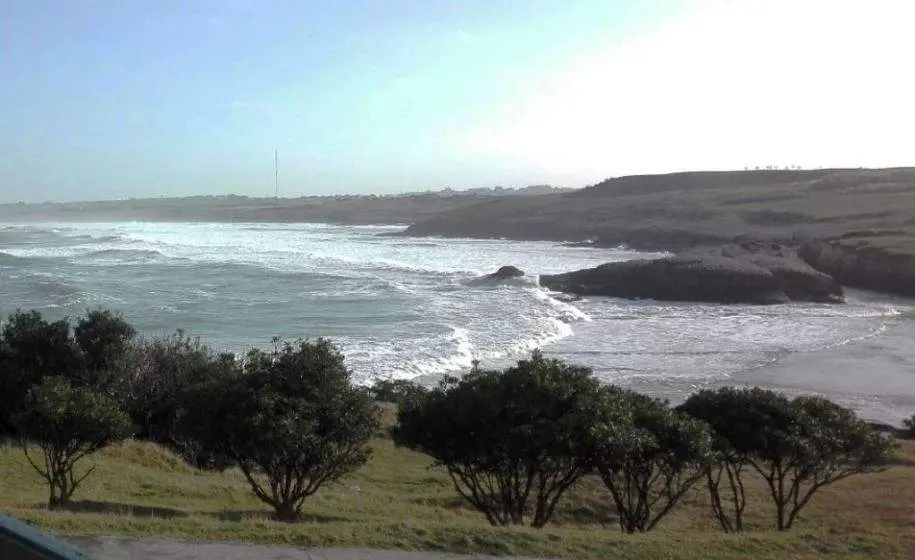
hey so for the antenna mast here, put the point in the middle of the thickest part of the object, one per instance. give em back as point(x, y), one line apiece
point(276, 173)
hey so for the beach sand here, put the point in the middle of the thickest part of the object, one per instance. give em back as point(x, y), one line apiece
point(875, 376)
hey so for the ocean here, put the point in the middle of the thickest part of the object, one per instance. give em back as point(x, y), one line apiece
point(411, 308)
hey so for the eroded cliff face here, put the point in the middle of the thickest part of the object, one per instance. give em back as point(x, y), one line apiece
point(861, 266)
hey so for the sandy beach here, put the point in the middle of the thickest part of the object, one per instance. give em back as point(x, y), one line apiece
point(875, 375)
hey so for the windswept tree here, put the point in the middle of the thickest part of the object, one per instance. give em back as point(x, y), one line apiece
point(647, 455)
point(826, 443)
point(292, 422)
point(67, 424)
point(738, 417)
point(798, 447)
point(511, 441)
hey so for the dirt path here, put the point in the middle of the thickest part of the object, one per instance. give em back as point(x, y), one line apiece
point(122, 548)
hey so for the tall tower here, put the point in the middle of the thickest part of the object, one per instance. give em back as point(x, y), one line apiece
point(276, 173)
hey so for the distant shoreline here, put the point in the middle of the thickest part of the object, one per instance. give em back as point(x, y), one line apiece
point(857, 225)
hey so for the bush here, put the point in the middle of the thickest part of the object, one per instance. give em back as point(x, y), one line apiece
point(909, 427)
point(294, 416)
point(396, 391)
point(828, 444)
point(736, 417)
point(511, 441)
point(647, 455)
point(106, 342)
point(797, 446)
point(169, 369)
point(30, 350)
point(67, 424)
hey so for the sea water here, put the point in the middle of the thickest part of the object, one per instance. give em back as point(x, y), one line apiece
point(411, 308)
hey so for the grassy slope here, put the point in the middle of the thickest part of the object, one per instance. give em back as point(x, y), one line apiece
point(874, 207)
point(398, 502)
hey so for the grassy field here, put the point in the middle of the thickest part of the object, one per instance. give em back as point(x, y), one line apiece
point(863, 207)
point(398, 502)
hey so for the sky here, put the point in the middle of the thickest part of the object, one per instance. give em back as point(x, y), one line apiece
point(107, 99)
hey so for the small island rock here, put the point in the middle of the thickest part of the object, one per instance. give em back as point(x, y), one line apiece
point(506, 273)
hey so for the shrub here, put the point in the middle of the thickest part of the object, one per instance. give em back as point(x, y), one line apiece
point(511, 441)
point(30, 350)
point(797, 446)
point(106, 342)
point(294, 416)
point(67, 424)
point(169, 369)
point(647, 455)
point(735, 416)
point(829, 443)
point(909, 427)
point(396, 390)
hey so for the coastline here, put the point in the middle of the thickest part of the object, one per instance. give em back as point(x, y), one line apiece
point(874, 375)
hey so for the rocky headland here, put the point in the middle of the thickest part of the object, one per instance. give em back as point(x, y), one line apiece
point(856, 226)
point(749, 272)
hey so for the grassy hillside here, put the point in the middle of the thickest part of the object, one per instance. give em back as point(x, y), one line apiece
point(873, 206)
point(397, 501)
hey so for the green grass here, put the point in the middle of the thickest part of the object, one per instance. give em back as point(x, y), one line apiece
point(398, 502)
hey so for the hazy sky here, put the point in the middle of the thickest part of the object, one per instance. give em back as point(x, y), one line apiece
point(110, 99)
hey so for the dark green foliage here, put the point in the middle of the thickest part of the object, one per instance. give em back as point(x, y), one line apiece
point(104, 337)
point(647, 455)
point(106, 341)
point(293, 415)
point(737, 417)
point(798, 446)
point(30, 350)
point(67, 424)
point(511, 441)
point(909, 425)
point(827, 443)
point(168, 370)
point(396, 390)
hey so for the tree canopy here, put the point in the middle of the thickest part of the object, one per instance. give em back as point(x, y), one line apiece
point(67, 424)
point(293, 415)
point(798, 446)
point(510, 440)
point(647, 455)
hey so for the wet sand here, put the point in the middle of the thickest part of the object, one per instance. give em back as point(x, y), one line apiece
point(874, 376)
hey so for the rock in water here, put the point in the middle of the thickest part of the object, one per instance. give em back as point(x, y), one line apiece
point(748, 272)
point(505, 273)
point(707, 278)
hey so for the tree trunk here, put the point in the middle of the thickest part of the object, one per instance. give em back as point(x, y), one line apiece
point(54, 501)
point(59, 496)
point(286, 512)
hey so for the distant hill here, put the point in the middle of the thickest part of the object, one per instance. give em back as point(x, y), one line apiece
point(685, 209)
point(857, 224)
point(343, 209)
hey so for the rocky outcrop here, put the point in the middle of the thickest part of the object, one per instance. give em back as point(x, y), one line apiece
point(511, 275)
point(748, 272)
point(799, 280)
point(862, 267)
point(505, 273)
